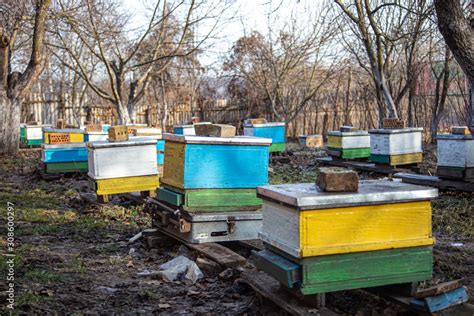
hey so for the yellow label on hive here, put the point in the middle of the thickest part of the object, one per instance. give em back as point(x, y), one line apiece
point(405, 159)
point(127, 184)
point(335, 141)
point(73, 137)
point(365, 228)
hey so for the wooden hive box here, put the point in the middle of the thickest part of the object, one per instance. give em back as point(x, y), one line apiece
point(132, 127)
point(455, 156)
point(160, 148)
point(274, 131)
point(348, 145)
point(303, 221)
point(130, 158)
point(33, 134)
point(62, 136)
point(96, 136)
point(146, 131)
point(64, 158)
point(320, 242)
point(105, 127)
point(200, 162)
point(311, 141)
point(22, 133)
point(322, 274)
point(396, 141)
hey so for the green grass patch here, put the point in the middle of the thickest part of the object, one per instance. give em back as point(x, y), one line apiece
point(43, 276)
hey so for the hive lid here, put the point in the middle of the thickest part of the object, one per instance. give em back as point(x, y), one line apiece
point(146, 136)
point(339, 133)
point(396, 131)
point(138, 141)
point(63, 130)
point(309, 196)
point(455, 137)
point(237, 140)
point(271, 124)
point(97, 133)
point(63, 146)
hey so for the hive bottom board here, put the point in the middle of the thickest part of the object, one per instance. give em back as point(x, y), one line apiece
point(396, 160)
point(464, 174)
point(350, 153)
point(211, 200)
point(65, 167)
point(321, 274)
point(277, 147)
point(125, 185)
point(209, 227)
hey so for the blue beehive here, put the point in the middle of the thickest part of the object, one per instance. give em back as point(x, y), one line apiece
point(275, 131)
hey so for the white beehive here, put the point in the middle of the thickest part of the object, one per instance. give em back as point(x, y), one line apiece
point(396, 141)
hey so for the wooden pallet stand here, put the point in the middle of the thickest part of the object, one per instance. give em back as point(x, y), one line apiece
point(367, 166)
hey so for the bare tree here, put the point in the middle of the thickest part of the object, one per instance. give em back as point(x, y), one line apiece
point(458, 33)
point(13, 84)
point(127, 67)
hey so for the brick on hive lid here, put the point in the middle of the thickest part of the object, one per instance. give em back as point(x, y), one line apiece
point(93, 128)
point(60, 124)
point(118, 133)
point(336, 179)
point(346, 129)
point(393, 123)
point(460, 130)
point(215, 130)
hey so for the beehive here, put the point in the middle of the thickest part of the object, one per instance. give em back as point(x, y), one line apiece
point(160, 149)
point(456, 156)
point(311, 141)
point(33, 135)
point(396, 146)
point(348, 145)
point(199, 162)
point(63, 136)
point(121, 167)
point(96, 136)
point(337, 241)
point(132, 127)
point(274, 131)
point(64, 158)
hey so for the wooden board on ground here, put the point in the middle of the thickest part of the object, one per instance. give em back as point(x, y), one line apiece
point(363, 166)
point(270, 289)
point(435, 182)
point(220, 254)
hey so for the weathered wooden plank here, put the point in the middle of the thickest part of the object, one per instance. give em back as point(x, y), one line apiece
point(220, 254)
point(348, 229)
point(270, 289)
point(435, 182)
point(442, 301)
point(439, 288)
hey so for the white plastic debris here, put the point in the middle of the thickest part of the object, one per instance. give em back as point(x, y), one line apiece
point(172, 269)
point(457, 244)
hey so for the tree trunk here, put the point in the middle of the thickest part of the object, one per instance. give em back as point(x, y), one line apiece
point(122, 111)
point(9, 123)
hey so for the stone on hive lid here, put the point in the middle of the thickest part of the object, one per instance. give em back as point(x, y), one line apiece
point(118, 133)
point(334, 179)
point(460, 130)
point(215, 130)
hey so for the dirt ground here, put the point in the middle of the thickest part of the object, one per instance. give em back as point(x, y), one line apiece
point(74, 258)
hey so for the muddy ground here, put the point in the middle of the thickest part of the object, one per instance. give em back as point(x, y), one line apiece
point(74, 258)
